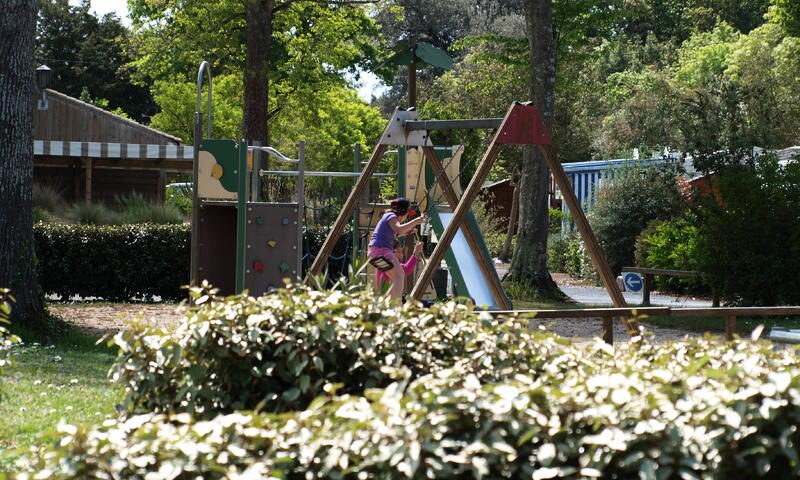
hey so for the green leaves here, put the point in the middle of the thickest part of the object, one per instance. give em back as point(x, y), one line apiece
point(285, 346)
point(113, 262)
point(555, 423)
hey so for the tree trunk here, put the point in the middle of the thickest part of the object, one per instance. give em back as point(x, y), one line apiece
point(256, 77)
point(17, 265)
point(512, 220)
point(529, 264)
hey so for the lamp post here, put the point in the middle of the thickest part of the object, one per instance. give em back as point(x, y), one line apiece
point(43, 76)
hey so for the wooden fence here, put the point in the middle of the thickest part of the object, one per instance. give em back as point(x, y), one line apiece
point(730, 314)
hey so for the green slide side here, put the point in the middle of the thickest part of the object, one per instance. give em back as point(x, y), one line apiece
point(467, 277)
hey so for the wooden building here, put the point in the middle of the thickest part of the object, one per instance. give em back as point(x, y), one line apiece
point(88, 153)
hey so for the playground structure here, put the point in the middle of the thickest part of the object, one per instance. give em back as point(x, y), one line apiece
point(261, 239)
point(264, 240)
point(521, 125)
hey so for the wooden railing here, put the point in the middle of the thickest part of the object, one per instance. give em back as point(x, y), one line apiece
point(607, 315)
point(649, 273)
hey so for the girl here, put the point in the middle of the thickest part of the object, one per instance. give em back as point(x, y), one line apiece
point(382, 242)
point(408, 266)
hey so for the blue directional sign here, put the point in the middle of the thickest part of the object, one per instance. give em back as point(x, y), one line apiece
point(633, 281)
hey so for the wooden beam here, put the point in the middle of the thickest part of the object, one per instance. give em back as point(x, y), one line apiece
point(174, 164)
point(347, 210)
point(608, 330)
point(589, 239)
point(458, 216)
point(88, 178)
point(730, 327)
point(488, 271)
point(588, 312)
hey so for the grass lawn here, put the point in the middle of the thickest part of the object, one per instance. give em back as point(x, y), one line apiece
point(49, 383)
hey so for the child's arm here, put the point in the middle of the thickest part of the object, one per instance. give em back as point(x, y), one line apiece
point(403, 228)
point(408, 267)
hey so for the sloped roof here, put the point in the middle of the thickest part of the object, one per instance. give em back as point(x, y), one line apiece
point(70, 119)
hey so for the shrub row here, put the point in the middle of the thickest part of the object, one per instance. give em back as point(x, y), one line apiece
point(118, 262)
point(113, 262)
point(279, 351)
point(701, 409)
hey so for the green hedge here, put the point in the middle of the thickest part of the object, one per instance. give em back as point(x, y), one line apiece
point(113, 262)
point(280, 350)
point(118, 262)
point(697, 410)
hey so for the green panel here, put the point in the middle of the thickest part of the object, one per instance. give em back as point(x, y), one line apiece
point(434, 56)
point(241, 216)
point(469, 221)
point(226, 152)
point(459, 284)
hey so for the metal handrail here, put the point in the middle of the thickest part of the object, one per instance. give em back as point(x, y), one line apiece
point(272, 152)
point(321, 174)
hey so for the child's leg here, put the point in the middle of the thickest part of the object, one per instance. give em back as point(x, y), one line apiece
point(398, 279)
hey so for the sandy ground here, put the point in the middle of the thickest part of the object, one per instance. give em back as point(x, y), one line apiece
point(104, 318)
point(108, 318)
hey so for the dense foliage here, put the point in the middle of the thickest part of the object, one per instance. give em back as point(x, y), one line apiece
point(279, 351)
point(627, 205)
point(113, 262)
point(88, 56)
point(672, 245)
point(749, 244)
point(6, 338)
point(700, 409)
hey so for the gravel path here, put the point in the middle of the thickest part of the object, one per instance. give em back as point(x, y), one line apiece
point(102, 319)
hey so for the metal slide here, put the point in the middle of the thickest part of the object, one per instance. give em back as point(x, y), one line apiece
point(468, 280)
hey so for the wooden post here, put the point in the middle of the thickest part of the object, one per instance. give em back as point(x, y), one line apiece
point(347, 209)
point(589, 239)
point(162, 185)
point(730, 327)
point(88, 189)
point(487, 269)
point(647, 285)
point(608, 330)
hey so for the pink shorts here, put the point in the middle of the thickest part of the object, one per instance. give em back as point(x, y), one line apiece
point(387, 253)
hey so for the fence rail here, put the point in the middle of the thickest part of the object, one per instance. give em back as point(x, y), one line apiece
point(607, 315)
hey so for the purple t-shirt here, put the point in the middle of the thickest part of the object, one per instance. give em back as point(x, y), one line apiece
point(383, 236)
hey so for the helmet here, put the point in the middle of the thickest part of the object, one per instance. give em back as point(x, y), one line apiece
point(400, 205)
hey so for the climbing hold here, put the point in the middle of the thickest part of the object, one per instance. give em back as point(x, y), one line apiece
point(272, 243)
point(216, 171)
point(260, 220)
point(285, 221)
point(258, 266)
point(283, 267)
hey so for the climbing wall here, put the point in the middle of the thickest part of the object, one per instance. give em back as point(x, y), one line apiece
point(271, 250)
point(271, 253)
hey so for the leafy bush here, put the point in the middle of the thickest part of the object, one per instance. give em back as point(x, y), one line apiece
point(628, 205)
point(556, 216)
point(750, 244)
point(6, 338)
point(113, 262)
point(136, 209)
point(47, 198)
point(672, 245)
point(278, 351)
point(700, 409)
point(90, 213)
point(566, 253)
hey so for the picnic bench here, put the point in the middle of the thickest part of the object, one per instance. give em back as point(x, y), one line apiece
point(648, 275)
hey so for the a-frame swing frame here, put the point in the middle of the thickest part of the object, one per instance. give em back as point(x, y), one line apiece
point(521, 125)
